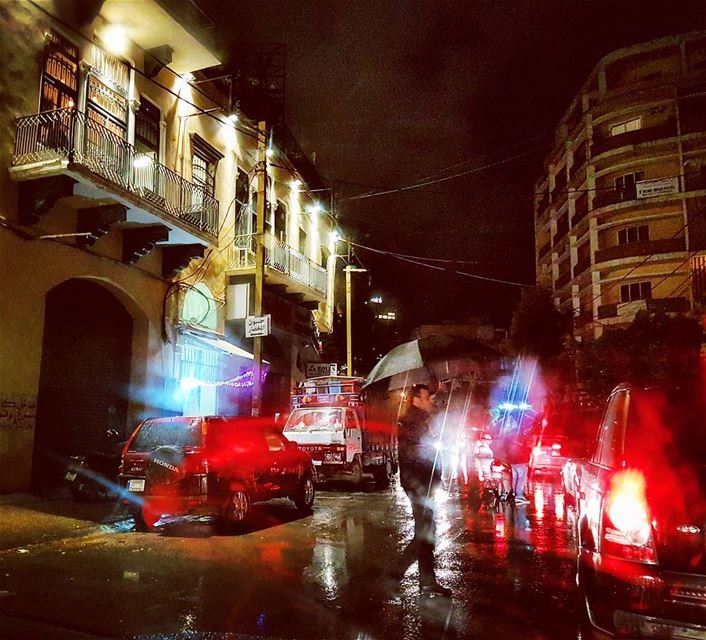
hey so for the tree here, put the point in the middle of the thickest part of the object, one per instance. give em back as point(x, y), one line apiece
point(538, 328)
point(654, 349)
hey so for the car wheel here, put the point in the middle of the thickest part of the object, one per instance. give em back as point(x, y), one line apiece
point(383, 474)
point(357, 472)
point(304, 499)
point(237, 507)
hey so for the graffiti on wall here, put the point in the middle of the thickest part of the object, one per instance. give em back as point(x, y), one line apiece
point(17, 411)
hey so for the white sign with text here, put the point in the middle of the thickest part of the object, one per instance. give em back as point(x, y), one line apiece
point(257, 326)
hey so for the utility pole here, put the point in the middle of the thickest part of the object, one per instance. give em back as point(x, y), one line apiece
point(261, 171)
point(349, 333)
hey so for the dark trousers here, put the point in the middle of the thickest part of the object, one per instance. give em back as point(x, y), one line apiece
point(419, 488)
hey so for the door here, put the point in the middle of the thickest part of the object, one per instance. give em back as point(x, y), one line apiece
point(84, 378)
point(354, 436)
point(596, 474)
point(282, 474)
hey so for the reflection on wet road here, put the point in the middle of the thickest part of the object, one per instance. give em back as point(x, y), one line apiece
point(316, 577)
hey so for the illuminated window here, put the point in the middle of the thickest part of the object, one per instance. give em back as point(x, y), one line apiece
point(60, 77)
point(636, 291)
point(624, 127)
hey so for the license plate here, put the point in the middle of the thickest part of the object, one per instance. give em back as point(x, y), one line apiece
point(138, 486)
point(317, 462)
point(70, 476)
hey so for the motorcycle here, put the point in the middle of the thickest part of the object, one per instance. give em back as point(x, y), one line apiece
point(94, 477)
point(497, 489)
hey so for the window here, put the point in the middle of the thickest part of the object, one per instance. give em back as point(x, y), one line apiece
point(107, 89)
point(281, 221)
point(351, 419)
point(610, 436)
point(275, 442)
point(147, 121)
point(632, 235)
point(624, 127)
point(60, 74)
point(625, 185)
point(636, 291)
point(302, 241)
point(203, 165)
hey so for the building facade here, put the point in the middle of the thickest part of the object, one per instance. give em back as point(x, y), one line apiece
point(620, 210)
point(127, 222)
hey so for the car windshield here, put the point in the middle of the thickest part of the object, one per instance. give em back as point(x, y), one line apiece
point(328, 419)
point(669, 426)
point(174, 433)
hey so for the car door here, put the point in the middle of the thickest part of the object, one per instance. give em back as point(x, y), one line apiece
point(354, 436)
point(282, 475)
point(596, 474)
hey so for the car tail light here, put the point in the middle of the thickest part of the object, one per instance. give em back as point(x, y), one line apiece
point(627, 527)
point(556, 447)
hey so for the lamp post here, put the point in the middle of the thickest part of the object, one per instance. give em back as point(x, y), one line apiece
point(349, 338)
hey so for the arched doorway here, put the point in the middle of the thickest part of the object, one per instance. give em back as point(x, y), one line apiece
point(85, 376)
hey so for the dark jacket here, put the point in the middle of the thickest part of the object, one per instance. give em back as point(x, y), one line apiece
point(514, 448)
point(416, 451)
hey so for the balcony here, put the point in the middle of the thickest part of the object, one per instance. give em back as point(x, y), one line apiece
point(651, 134)
point(285, 268)
point(66, 142)
point(619, 252)
point(563, 280)
point(582, 265)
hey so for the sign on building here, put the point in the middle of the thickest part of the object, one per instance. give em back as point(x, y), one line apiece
point(316, 369)
point(258, 326)
point(657, 187)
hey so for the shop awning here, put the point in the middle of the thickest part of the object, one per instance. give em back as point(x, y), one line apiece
point(221, 345)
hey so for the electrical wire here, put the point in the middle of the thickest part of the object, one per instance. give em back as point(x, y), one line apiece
point(444, 179)
point(438, 268)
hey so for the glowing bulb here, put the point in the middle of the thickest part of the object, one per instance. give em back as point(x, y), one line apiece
point(188, 76)
point(270, 152)
point(295, 184)
point(314, 208)
point(233, 118)
point(115, 39)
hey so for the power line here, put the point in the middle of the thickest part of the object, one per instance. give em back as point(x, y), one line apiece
point(438, 268)
point(438, 180)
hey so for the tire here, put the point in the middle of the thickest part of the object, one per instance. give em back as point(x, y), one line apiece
point(237, 507)
point(357, 472)
point(304, 498)
point(383, 474)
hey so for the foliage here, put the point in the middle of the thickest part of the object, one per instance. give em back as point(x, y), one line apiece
point(538, 328)
point(653, 349)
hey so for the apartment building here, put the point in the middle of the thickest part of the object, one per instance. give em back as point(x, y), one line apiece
point(127, 214)
point(620, 209)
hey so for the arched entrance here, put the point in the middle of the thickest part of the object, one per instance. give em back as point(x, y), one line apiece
point(85, 376)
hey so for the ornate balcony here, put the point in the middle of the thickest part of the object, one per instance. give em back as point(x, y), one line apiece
point(284, 267)
point(67, 142)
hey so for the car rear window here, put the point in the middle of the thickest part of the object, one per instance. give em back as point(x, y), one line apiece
point(174, 433)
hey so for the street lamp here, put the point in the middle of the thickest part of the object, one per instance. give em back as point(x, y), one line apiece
point(349, 338)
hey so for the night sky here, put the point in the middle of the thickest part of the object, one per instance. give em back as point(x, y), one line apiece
point(388, 93)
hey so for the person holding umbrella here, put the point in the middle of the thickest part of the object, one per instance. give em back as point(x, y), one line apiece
point(419, 478)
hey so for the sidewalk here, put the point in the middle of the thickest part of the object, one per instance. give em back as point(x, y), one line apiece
point(26, 519)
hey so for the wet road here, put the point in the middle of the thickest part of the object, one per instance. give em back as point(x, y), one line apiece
point(314, 577)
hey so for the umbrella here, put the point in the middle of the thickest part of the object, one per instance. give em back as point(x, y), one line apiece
point(428, 358)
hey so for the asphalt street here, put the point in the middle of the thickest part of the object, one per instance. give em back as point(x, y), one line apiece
point(86, 573)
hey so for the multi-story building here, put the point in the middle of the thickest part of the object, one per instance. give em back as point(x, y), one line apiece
point(620, 210)
point(127, 212)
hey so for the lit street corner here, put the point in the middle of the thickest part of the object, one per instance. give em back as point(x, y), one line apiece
point(289, 577)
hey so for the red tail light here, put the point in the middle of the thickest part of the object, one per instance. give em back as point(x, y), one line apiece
point(556, 447)
point(627, 527)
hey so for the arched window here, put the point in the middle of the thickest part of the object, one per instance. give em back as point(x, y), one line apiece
point(200, 307)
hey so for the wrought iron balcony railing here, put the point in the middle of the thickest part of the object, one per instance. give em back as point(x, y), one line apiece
point(280, 257)
point(68, 134)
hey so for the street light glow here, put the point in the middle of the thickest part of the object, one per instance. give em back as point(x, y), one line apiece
point(115, 39)
point(233, 118)
point(314, 208)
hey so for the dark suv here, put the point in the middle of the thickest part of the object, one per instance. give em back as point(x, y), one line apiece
point(642, 516)
point(213, 466)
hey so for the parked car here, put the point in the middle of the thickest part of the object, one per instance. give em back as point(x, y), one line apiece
point(642, 520)
point(211, 465)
